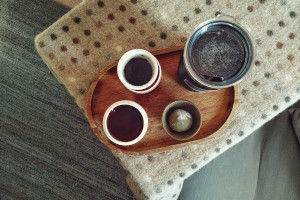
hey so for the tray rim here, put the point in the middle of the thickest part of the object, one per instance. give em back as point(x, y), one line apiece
point(157, 150)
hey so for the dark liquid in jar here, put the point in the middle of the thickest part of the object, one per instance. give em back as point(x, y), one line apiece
point(138, 71)
point(125, 123)
point(218, 54)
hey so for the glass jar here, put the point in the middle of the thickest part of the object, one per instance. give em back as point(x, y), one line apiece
point(218, 54)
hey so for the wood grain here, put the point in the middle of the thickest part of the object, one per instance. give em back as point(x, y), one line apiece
point(217, 107)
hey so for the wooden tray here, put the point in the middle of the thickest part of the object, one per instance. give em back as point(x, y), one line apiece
point(217, 107)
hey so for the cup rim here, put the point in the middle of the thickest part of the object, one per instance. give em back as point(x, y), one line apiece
point(135, 105)
point(137, 53)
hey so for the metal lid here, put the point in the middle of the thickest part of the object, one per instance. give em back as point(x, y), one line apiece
point(219, 53)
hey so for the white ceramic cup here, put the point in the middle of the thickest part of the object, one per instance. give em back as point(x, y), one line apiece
point(156, 71)
point(130, 103)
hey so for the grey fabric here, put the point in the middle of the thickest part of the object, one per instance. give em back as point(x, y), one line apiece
point(47, 149)
point(265, 166)
point(295, 114)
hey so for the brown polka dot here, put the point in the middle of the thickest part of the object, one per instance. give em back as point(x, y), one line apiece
point(41, 44)
point(281, 24)
point(82, 91)
point(121, 28)
point(86, 52)
point(291, 35)
point(244, 92)
point(163, 36)
point(97, 44)
point(87, 32)
point(109, 36)
point(122, 8)
point(267, 75)
point(197, 10)
point(53, 36)
point(268, 54)
point(279, 45)
point(139, 166)
point(134, 1)
point(266, 96)
point(151, 44)
point(150, 158)
point(154, 24)
point(84, 72)
point(63, 48)
point(95, 64)
point(258, 41)
point(290, 57)
point(142, 32)
point(208, 2)
point(293, 14)
point(183, 39)
point(98, 24)
point(217, 13)
point(51, 56)
point(256, 83)
point(65, 28)
point(61, 67)
point(89, 12)
point(132, 20)
point(279, 66)
point(77, 20)
point(238, 18)
point(101, 4)
point(186, 19)
point(257, 63)
point(250, 8)
point(74, 60)
point(229, 4)
point(144, 12)
point(254, 104)
point(111, 16)
point(275, 107)
point(269, 32)
point(261, 1)
point(75, 40)
point(174, 28)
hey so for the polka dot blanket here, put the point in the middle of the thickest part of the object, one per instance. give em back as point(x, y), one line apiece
point(96, 33)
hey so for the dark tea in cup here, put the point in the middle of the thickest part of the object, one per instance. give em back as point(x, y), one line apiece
point(138, 71)
point(125, 122)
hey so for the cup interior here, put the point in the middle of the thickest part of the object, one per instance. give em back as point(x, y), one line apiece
point(137, 53)
point(189, 107)
point(110, 135)
point(151, 87)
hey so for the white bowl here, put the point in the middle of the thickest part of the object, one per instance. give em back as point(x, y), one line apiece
point(135, 105)
point(156, 70)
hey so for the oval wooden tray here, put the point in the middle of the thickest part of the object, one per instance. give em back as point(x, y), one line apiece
point(217, 107)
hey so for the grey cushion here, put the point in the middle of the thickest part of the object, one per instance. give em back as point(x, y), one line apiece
point(265, 166)
point(42, 156)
